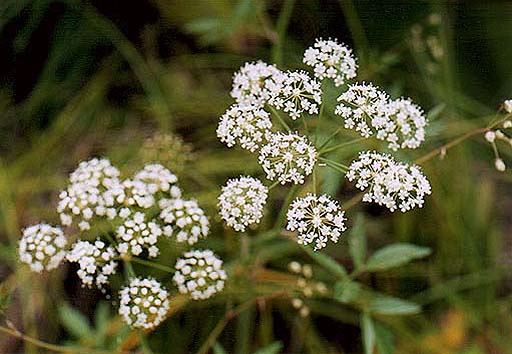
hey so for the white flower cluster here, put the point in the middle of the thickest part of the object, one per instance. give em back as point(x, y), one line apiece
point(96, 261)
point(244, 125)
point(392, 184)
point(299, 93)
point(255, 83)
point(93, 191)
point(241, 202)
point(200, 274)
point(288, 158)
point(136, 234)
point(317, 219)
point(143, 303)
point(331, 60)
point(184, 219)
point(493, 136)
point(42, 247)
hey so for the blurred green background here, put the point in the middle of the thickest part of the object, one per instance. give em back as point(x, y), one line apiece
point(98, 78)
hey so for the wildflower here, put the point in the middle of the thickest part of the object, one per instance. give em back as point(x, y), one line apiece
point(299, 93)
point(500, 165)
point(184, 219)
point(403, 125)
point(390, 183)
point(96, 261)
point(508, 123)
point(244, 125)
point(331, 60)
point(360, 104)
point(508, 106)
point(241, 202)
point(42, 247)
point(316, 219)
point(490, 136)
point(200, 274)
point(135, 235)
point(287, 158)
point(143, 303)
point(94, 190)
point(255, 83)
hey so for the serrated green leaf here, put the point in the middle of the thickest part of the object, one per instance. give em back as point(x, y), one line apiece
point(383, 339)
point(346, 291)
point(328, 263)
point(368, 332)
point(393, 306)
point(395, 255)
point(273, 348)
point(357, 242)
point(74, 322)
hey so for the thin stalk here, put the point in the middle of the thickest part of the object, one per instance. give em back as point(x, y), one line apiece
point(282, 214)
point(282, 25)
point(279, 118)
point(340, 165)
point(314, 181)
point(342, 145)
point(152, 264)
point(330, 138)
point(273, 185)
point(144, 345)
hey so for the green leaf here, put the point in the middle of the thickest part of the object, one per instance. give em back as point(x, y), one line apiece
point(393, 306)
point(395, 255)
point(368, 332)
point(357, 242)
point(74, 322)
point(328, 263)
point(384, 339)
point(273, 348)
point(346, 291)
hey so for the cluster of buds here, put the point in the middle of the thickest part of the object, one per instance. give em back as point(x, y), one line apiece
point(500, 134)
point(306, 287)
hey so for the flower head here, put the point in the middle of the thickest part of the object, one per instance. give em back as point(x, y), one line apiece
point(299, 93)
point(200, 274)
point(287, 158)
point(96, 261)
point(94, 190)
point(392, 184)
point(508, 106)
point(331, 60)
point(42, 247)
point(403, 126)
point(244, 125)
point(360, 104)
point(136, 234)
point(241, 202)
point(184, 219)
point(317, 219)
point(255, 83)
point(143, 303)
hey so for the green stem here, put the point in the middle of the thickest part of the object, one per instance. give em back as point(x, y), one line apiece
point(279, 118)
point(273, 185)
point(339, 146)
point(334, 163)
point(284, 208)
point(152, 264)
point(282, 25)
point(330, 138)
point(146, 349)
point(334, 167)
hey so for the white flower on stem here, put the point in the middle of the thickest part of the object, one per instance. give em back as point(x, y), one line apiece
point(287, 158)
point(508, 106)
point(143, 303)
point(360, 104)
point(96, 261)
point(136, 234)
point(402, 126)
point(244, 125)
point(42, 247)
point(317, 219)
point(184, 220)
point(299, 93)
point(331, 60)
point(255, 83)
point(241, 202)
point(500, 165)
point(94, 190)
point(200, 274)
point(490, 136)
point(395, 185)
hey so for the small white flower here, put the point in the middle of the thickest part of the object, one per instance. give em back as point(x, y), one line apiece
point(287, 158)
point(500, 165)
point(360, 104)
point(42, 247)
point(241, 202)
point(299, 93)
point(255, 83)
point(200, 274)
point(403, 125)
point(94, 190)
point(184, 220)
point(331, 60)
point(96, 261)
point(508, 106)
point(143, 303)
point(136, 234)
point(390, 183)
point(490, 136)
point(244, 125)
point(317, 219)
